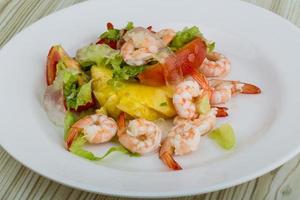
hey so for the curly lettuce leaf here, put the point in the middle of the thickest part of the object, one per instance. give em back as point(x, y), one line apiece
point(224, 136)
point(129, 26)
point(98, 55)
point(84, 95)
point(127, 72)
point(77, 149)
point(115, 34)
point(210, 45)
point(185, 36)
point(69, 120)
point(74, 94)
point(111, 34)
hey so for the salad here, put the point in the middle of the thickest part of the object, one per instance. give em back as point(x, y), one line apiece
point(119, 87)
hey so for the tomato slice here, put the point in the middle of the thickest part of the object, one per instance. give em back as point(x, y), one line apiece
point(56, 54)
point(184, 62)
point(53, 58)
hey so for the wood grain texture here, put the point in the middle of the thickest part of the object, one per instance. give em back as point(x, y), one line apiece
point(18, 182)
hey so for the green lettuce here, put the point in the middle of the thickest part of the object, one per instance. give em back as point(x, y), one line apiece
point(126, 72)
point(224, 136)
point(185, 36)
point(84, 95)
point(210, 45)
point(74, 94)
point(115, 34)
point(77, 149)
point(129, 26)
point(68, 122)
point(98, 55)
point(111, 34)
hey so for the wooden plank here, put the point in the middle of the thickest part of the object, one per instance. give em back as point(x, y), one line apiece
point(18, 182)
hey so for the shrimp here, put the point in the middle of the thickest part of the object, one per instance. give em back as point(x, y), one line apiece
point(203, 123)
point(97, 128)
point(185, 137)
point(141, 136)
point(183, 99)
point(166, 35)
point(215, 65)
point(224, 89)
point(140, 46)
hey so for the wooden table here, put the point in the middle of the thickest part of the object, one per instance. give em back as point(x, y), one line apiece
point(18, 182)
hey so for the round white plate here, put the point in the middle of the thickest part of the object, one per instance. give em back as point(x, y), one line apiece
point(263, 48)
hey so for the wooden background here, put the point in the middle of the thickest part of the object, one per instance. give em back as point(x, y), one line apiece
point(18, 182)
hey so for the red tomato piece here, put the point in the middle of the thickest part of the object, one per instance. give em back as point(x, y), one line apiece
point(185, 61)
point(56, 54)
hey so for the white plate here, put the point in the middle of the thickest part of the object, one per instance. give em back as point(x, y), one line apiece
point(264, 49)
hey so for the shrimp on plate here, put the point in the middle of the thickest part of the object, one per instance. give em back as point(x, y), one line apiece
point(97, 128)
point(141, 136)
point(184, 99)
point(141, 44)
point(224, 89)
point(215, 65)
point(166, 35)
point(185, 137)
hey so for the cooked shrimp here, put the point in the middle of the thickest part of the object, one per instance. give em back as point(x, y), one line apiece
point(96, 128)
point(185, 92)
point(204, 123)
point(141, 136)
point(215, 65)
point(224, 89)
point(140, 45)
point(166, 35)
point(185, 137)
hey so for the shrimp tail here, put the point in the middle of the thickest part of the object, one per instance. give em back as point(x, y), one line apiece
point(165, 154)
point(73, 133)
point(200, 78)
point(221, 111)
point(121, 124)
point(250, 89)
point(170, 162)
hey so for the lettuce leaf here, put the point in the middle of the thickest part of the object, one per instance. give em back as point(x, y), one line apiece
point(129, 26)
point(224, 136)
point(126, 72)
point(185, 36)
point(210, 45)
point(70, 89)
point(68, 122)
point(77, 149)
point(115, 34)
point(98, 55)
point(111, 34)
point(74, 94)
point(84, 95)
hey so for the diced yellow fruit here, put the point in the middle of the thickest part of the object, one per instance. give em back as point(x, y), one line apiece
point(111, 106)
point(103, 93)
point(155, 101)
point(138, 110)
point(102, 111)
point(101, 73)
point(152, 97)
point(202, 104)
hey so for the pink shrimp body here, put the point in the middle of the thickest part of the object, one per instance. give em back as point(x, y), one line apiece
point(166, 35)
point(97, 128)
point(183, 98)
point(141, 136)
point(215, 65)
point(140, 45)
point(224, 89)
point(185, 136)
